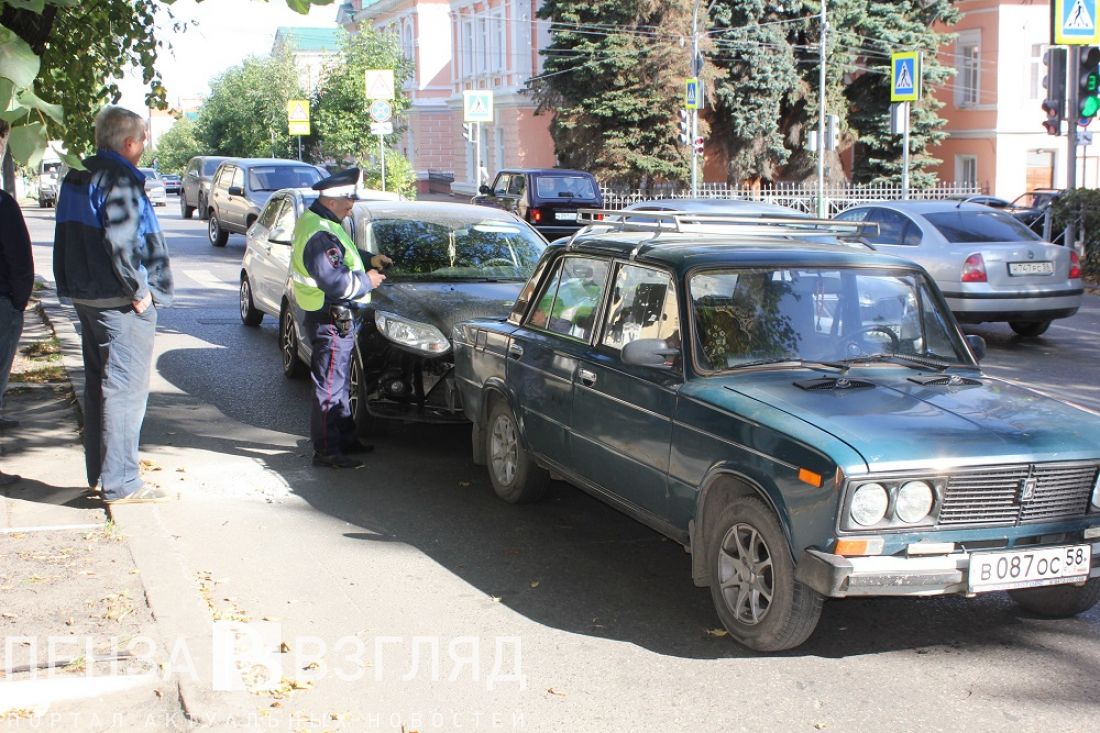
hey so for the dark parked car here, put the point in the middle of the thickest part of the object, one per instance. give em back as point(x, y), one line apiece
point(172, 183)
point(806, 419)
point(452, 262)
point(242, 187)
point(547, 198)
point(195, 188)
point(1031, 207)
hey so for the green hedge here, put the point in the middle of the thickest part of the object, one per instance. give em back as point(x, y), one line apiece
point(1082, 204)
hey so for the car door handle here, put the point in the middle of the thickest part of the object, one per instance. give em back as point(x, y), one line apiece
point(587, 378)
point(515, 351)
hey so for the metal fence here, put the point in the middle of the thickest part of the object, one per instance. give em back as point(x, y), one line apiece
point(794, 195)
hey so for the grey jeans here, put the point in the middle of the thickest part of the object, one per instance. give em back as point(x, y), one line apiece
point(11, 328)
point(118, 354)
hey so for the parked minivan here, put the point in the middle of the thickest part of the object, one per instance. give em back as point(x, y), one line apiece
point(195, 191)
point(241, 188)
point(547, 198)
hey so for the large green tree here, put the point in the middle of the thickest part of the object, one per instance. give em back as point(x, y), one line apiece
point(246, 113)
point(613, 77)
point(58, 57)
point(178, 145)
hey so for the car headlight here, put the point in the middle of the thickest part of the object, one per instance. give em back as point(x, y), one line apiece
point(869, 504)
point(410, 334)
point(914, 501)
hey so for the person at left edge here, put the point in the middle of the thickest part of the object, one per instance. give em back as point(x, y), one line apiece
point(331, 284)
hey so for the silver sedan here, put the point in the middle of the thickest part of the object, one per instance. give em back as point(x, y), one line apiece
point(989, 266)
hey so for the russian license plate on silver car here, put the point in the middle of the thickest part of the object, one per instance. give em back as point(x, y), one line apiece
point(1030, 268)
point(566, 215)
point(1029, 568)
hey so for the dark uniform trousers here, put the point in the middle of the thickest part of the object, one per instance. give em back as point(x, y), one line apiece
point(331, 424)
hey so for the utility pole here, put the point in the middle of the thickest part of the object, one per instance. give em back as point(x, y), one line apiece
point(695, 112)
point(1069, 237)
point(821, 213)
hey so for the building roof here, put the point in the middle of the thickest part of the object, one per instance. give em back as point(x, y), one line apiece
point(309, 39)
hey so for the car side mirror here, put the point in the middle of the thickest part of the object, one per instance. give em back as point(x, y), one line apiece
point(483, 189)
point(977, 346)
point(653, 353)
point(236, 191)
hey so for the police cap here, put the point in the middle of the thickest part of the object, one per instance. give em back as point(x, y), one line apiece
point(341, 185)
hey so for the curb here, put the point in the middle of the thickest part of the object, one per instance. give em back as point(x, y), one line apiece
point(182, 619)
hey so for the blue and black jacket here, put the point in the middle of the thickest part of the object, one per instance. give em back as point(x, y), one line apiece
point(108, 247)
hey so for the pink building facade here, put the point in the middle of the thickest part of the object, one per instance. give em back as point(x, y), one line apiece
point(457, 45)
point(993, 104)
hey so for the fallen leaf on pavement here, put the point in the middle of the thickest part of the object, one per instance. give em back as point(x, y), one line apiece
point(717, 632)
point(552, 691)
point(534, 584)
point(494, 599)
point(284, 648)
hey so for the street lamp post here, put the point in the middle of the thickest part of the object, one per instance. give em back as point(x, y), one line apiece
point(821, 213)
point(695, 112)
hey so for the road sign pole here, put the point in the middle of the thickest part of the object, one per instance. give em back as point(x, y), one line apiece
point(1073, 62)
point(698, 88)
point(382, 158)
point(905, 152)
point(299, 147)
point(821, 212)
point(477, 157)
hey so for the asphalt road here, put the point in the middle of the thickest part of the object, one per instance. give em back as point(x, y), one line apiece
point(414, 553)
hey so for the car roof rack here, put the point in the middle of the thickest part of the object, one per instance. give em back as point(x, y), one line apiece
point(707, 224)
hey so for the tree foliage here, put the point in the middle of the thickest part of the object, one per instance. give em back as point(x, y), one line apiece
point(245, 115)
point(178, 145)
point(57, 60)
point(609, 74)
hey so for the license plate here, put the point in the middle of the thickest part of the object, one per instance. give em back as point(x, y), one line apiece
point(1030, 268)
point(566, 216)
point(1029, 568)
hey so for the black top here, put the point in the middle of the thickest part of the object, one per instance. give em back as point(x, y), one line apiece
point(16, 262)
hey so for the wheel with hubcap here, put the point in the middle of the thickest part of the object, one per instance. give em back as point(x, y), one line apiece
point(514, 475)
point(293, 367)
point(1058, 601)
point(250, 316)
point(752, 579)
point(218, 236)
point(1029, 329)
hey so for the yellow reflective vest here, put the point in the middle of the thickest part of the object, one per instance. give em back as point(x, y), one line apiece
point(309, 296)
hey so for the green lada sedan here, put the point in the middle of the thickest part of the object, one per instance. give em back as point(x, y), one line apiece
point(803, 416)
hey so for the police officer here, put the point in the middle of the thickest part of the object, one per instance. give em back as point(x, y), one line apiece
point(332, 285)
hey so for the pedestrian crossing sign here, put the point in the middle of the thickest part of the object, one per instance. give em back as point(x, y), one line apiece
point(297, 116)
point(905, 76)
point(1074, 23)
point(693, 94)
point(477, 105)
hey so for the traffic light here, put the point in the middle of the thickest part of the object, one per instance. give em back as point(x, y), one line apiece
point(685, 135)
point(698, 147)
point(1054, 104)
point(1088, 81)
point(832, 131)
point(468, 131)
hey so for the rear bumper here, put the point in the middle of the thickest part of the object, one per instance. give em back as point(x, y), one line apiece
point(1019, 306)
point(835, 576)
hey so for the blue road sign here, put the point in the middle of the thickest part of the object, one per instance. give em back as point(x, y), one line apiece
point(905, 77)
point(693, 94)
point(1074, 22)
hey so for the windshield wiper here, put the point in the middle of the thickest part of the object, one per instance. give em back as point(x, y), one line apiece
point(793, 361)
point(906, 360)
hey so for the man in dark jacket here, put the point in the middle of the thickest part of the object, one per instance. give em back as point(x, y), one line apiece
point(16, 283)
point(111, 260)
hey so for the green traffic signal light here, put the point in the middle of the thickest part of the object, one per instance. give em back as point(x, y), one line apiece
point(1089, 107)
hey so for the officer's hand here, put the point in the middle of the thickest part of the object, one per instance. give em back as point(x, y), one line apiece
point(380, 261)
point(376, 278)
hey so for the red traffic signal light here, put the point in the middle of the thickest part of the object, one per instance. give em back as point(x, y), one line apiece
point(1053, 123)
point(698, 146)
point(1054, 83)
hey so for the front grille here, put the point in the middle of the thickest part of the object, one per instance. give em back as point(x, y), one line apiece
point(994, 496)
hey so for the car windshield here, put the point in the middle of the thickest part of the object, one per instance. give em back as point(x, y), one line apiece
point(969, 227)
point(564, 187)
point(456, 248)
point(752, 316)
point(149, 172)
point(274, 177)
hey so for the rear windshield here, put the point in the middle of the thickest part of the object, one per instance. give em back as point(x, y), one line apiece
point(980, 226)
point(565, 187)
point(274, 177)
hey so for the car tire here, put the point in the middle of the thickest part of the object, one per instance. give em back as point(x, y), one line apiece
point(250, 316)
point(201, 208)
point(293, 367)
point(752, 579)
point(1058, 601)
point(366, 424)
point(185, 210)
point(512, 471)
point(1029, 329)
point(214, 232)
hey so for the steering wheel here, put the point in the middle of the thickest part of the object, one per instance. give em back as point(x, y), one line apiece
point(498, 262)
point(895, 342)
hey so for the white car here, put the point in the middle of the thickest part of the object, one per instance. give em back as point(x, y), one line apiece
point(267, 253)
point(154, 187)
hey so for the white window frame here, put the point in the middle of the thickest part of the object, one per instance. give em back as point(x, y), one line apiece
point(1036, 71)
point(466, 41)
point(968, 65)
point(497, 41)
point(498, 149)
point(966, 170)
